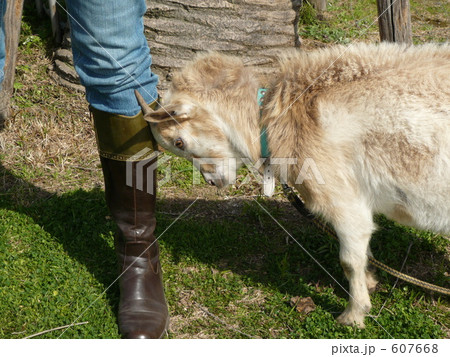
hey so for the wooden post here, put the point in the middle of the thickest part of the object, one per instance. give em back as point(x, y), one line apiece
point(319, 5)
point(39, 8)
point(394, 21)
point(11, 20)
point(55, 21)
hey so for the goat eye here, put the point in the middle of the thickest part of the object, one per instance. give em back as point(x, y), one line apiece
point(179, 143)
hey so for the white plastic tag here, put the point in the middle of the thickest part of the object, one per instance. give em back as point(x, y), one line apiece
point(268, 181)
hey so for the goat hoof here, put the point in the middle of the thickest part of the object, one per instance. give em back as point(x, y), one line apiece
point(350, 318)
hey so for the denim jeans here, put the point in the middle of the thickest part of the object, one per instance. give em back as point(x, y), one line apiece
point(111, 54)
point(2, 41)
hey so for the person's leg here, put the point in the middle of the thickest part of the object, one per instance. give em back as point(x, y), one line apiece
point(112, 59)
point(111, 54)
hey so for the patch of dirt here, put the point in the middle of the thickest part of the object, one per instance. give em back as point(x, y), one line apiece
point(430, 27)
point(181, 322)
point(48, 141)
point(252, 296)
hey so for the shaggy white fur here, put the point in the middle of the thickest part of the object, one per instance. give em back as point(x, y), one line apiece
point(375, 120)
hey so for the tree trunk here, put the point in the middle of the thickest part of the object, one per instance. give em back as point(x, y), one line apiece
point(12, 30)
point(394, 21)
point(255, 30)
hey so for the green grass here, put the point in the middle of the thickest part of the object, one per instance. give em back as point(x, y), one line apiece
point(58, 258)
point(345, 21)
point(229, 270)
point(356, 20)
point(43, 282)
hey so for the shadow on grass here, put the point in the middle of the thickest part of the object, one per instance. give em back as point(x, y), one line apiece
point(80, 222)
point(77, 220)
point(244, 240)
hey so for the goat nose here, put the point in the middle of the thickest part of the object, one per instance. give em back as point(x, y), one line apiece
point(211, 182)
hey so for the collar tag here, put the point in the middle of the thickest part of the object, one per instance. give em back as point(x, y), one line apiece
point(261, 94)
point(268, 181)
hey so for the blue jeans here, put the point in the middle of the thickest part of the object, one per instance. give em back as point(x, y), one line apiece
point(2, 41)
point(111, 54)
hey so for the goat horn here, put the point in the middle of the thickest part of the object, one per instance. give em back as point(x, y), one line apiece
point(145, 107)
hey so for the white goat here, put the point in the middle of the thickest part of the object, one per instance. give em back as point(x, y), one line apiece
point(375, 120)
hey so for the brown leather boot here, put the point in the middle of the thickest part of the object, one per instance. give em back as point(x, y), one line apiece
point(126, 149)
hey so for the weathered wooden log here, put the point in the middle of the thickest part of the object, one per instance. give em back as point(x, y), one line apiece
point(255, 30)
point(394, 21)
point(62, 71)
point(11, 20)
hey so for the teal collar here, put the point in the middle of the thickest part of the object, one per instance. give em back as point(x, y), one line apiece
point(265, 152)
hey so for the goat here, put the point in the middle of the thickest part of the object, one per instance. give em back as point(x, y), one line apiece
point(375, 120)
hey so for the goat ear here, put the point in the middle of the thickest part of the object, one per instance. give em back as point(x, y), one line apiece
point(150, 115)
point(161, 115)
point(175, 112)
